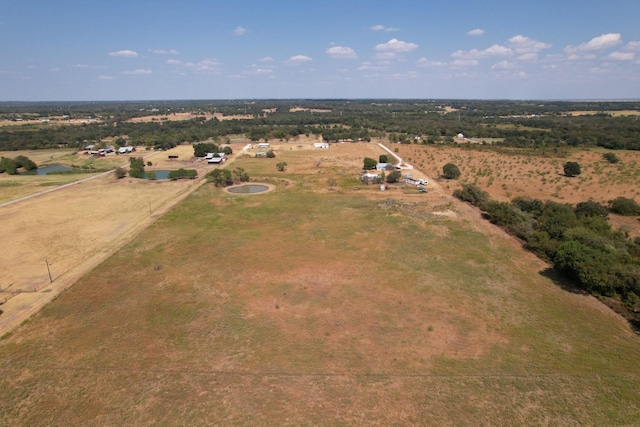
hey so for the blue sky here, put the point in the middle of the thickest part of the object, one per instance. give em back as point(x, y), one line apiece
point(197, 49)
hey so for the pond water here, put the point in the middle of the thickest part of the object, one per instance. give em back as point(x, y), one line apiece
point(51, 168)
point(248, 189)
point(160, 174)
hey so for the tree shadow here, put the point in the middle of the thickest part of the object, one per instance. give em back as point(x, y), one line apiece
point(562, 282)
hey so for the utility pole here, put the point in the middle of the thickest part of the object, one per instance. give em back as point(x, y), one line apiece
point(48, 270)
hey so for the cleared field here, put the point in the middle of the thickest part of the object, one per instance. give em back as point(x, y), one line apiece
point(507, 175)
point(305, 306)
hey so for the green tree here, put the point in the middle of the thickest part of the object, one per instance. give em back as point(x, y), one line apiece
point(572, 169)
point(136, 167)
point(591, 208)
point(472, 194)
point(220, 177)
point(383, 158)
point(393, 177)
point(8, 165)
point(271, 154)
point(624, 206)
point(151, 175)
point(120, 172)
point(450, 171)
point(369, 163)
point(281, 166)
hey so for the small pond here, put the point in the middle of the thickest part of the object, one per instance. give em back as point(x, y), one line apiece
point(160, 174)
point(46, 169)
point(248, 189)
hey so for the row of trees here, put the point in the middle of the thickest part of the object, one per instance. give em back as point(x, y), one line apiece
point(578, 240)
point(226, 177)
point(11, 166)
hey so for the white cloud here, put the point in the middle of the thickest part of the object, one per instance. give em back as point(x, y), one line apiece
point(174, 61)
point(602, 42)
point(138, 72)
point(622, 56)
point(521, 44)
point(424, 62)
point(82, 65)
point(298, 60)
point(105, 78)
point(366, 66)
point(257, 71)
point(395, 45)
point(341, 52)
point(464, 62)
point(503, 65)
point(476, 32)
point(632, 46)
point(240, 31)
point(164, 52)
point(125, 53)
point(207, 65)
point(528, 57)
point(385, 56)
point(494, 50)
point(383, 28)
point(266, 59)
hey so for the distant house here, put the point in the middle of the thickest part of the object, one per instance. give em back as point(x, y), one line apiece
point(261, 154)
point(460, 135)
point(127, 149)
point(370, 178)
point(408, 179)
point(384, 167)
point(263, 145)
point(321, 145)
point(216, 160)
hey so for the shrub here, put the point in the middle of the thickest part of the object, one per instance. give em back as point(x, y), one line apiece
point(281, 166)
point(369, 163)
point(591, 208)
point(271, 154)
point(394, 177)
point(450, 171)
point(151, 175)
point(182, 174)
point(120, 172)
point(623, 206)
point(220, 177)
point(611, 157)
point(572, 169)
point(472, 194)
point(383, 158)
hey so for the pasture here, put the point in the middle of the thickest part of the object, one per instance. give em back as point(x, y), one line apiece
point(311, 305)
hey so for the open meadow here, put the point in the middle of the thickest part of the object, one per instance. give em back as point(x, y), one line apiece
point(322, 302)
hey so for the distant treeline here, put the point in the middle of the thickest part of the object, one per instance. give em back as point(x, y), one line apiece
point(508, 123)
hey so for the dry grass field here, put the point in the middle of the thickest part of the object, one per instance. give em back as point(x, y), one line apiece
point(510, 174)
point(311, 305)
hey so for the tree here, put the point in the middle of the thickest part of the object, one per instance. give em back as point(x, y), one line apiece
point(239, 175)
point(281, 166)
point(472, 194)
point(624, 206)
point(120, 172)
point(571, 169)
point(591, 208)
point(8, 165)
point(220, 177)
point(383, 158)
point(369, 163)
point(394, 177)
point(271, 154)
point(450, 171)
point(136, 167)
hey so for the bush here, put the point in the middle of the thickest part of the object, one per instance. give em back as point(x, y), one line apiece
point(151, 175)
point(611, 157)
point(394, 177)
point(450, 171)
point(220, 177)
point(623, 206)
point(120, 172)
point(572, 169)
point(271, 154)
point(591, 208)
point(182, 174)
point(472, 194)
point(281, 166)
point(369, 163)
point(383, 158)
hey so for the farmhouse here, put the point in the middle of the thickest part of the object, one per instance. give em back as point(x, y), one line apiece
point(408, 179)
point(321, 145)
point(215, 158)
point(263, 145)
point(384, 167)
point(261, 154)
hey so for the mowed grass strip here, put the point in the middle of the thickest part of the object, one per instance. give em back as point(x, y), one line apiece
point(301, 307)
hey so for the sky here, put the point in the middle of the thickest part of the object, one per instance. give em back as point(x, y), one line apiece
point(71, 50)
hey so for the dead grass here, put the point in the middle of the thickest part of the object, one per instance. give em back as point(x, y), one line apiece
point(307, 306)
point(505, 176)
